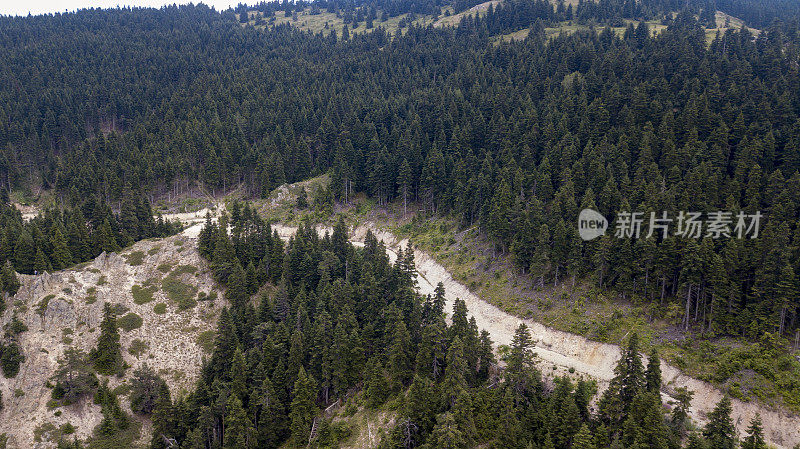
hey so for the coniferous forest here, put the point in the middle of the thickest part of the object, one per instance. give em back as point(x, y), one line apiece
point(516, 137)
point(106, 109)
point(345, 321)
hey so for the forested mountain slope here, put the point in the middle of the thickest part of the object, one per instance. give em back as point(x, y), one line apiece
point(516, 137)
point(104, 108)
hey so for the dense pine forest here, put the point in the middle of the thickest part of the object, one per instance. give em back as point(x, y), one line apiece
point(344, 322)
point(107, 109)
point(515, 137)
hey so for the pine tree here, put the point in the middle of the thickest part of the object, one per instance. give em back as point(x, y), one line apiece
point(583, 439)
point(454, 383)
point(238, 376)
point(400, 364)
point(464, 413)
point(237, 287)
point(225, 343)
point(107, 355)
point(238, 429)
point(628, 381)
point(755, 435)
point(104, 239)
point(376, 387)
point(645, 425)
point(680, 410)
point(206, 240)
point(521, 355)
point(42, 263)
point(303, 408)
point(786, 295)
point(653, 374)
point(420, 407)
point(719, 431)
point(114, 418)
point(163, 417)
point(24, 253)
point(8, 280)
point(446, 434)
point(61, 255)
point(696, 442)
point(564, 419)
point(273, 423)
point(404, 180)
point(509, 431)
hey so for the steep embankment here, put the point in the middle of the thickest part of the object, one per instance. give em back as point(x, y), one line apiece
point(64, 309)
point(567, 351)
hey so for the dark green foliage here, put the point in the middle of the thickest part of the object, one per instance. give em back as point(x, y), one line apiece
point(114, 418)
point(512, 138)
point(446, 434)
point(303, 409)
point(755, 435)
point(628, 382)
point(324, 333)
point(74, 377)
point(107, 356)
point(116, 429)
point(10, 358)
point(130, 322)
point(145, 388)
point(464, 128)
point(238, 429)
point(653, 374)
point(8, 280)
point(583, 439)
point(273, 422)
point(377, 387)
point(719, 432)
point(58, 238)
point(680, 410)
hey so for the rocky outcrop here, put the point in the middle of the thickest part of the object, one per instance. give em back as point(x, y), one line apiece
point(64, 309)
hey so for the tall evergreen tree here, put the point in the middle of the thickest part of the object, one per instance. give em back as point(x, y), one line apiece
point(107, 355)
point(720, 431)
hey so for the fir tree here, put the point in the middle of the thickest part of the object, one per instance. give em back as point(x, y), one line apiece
point(583, 439)
point(719, 431)
point(272, 421)
point(376, 387)
point(42, 263)
point(107, 355)
point(755, 435)
point(8, 280)
point(238, 429)
point(303, 408)
point(62, 258)
point(628, 381)
point(24, 254)
point(653, 373)
point(446, 434)
point(454, 384)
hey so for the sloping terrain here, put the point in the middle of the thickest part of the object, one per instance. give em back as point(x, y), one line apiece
point(64, 309)
point(566, 352)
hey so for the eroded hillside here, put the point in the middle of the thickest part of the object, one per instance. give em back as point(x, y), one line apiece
point(167, 309)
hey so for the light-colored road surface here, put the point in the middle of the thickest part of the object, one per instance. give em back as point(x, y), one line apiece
point(565, 350)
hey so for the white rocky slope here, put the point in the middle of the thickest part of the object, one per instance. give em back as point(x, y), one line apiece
point(565, 350)
point(64, 309)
